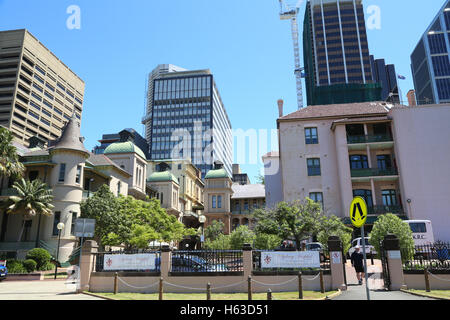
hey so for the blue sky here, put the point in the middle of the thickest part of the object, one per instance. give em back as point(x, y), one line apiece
point(243, 42)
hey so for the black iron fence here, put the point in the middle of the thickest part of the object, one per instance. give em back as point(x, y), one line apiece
point(434, 256)
point(258, 264)
point(211, 261)
point(101, 261)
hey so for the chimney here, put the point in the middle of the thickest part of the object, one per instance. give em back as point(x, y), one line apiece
point(280, 107)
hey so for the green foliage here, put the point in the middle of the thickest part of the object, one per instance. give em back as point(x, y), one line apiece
point(222, 242)
point(41, 256)
point(104, 207)
point(32, 198)
point(214, 230)
point(296, 220)
point(9, 159)
point(390, 223)
point(264, 241)
point(333, 226)
point(240, 236)
point(30, 265)
point(15, 266)
point(126, 220)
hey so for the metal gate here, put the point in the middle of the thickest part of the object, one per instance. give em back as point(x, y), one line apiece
point(385, 266)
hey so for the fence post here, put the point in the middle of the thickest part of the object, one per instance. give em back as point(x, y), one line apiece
point(427, 280)
point(165, 261)
point(247, 259)
point(337, 266)
point(208, 291)
point(87, 263)
point(322, 287)
point(394, 262)
point(116, 283)
point(300, 286)
point(161, 283)
point(269, 294)
point(249, 287)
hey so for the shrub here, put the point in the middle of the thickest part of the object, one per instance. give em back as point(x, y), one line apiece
point(264, 241)
point(15, 266)
point(29, 265)
point(390, 223)
point(41, 256)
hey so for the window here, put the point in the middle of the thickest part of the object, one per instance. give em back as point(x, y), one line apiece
point(365, 194)
point(313, 166)
point(56, 220)
point(33, 175)
point(317, 197)
point(384, 161)
point(358, 162)
point(311, 136)
point(78, 176)
point(219, 201)
point(418, 227)
point(119, 185)
point(389, 197)
point(72, 224)
point(62, 172)
point(214, 201)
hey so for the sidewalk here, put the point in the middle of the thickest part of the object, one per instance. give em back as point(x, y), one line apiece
point(376, 286)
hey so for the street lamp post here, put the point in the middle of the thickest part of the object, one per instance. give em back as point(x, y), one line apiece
point(202, 220)
point(60, 226)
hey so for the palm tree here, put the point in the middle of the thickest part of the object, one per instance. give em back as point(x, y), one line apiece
point(33, 198)
point(9, 160)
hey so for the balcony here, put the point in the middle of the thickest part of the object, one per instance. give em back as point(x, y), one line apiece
point(377, 210)
point(380, 174)
point(380, 141)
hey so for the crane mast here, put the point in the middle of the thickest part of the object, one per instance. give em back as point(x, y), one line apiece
point(291, 14)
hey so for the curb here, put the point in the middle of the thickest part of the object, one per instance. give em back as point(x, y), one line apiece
point(97, 296)
point(331, 296)
point(424, 295)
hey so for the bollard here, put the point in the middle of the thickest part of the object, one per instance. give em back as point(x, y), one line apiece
point(322, 288)
point(300, 286)
point(427, 280)
point(249, 287)
point(116, 283)
point(269, 294)
point(161, 282)
point(208, 291)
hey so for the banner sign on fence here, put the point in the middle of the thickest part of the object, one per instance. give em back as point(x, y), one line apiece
point(290, 259)
point(143, 261)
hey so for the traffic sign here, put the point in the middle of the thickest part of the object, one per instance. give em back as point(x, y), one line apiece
point(358, 212)
point(84, 228)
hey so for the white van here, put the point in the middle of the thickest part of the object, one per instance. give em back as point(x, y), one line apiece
point(370, 250)
point(422, 231)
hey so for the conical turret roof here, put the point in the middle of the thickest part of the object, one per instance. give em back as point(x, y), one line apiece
point(71, 137)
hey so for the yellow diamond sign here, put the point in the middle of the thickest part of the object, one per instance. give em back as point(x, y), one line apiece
point(358, 212)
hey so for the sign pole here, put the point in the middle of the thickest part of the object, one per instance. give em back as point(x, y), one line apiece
point(363, 238)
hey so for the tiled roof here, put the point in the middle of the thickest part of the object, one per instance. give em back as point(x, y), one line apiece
point(248, 191)
point(102, 160)
point(340, 110)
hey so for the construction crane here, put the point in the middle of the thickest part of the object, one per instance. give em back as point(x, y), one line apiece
point(287, 13)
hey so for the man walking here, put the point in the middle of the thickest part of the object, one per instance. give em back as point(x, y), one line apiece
point(357, 262)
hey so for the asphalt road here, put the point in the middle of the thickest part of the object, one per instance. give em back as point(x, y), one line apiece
point(40, 290)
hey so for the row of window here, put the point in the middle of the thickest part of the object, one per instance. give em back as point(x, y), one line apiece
point(62, 173)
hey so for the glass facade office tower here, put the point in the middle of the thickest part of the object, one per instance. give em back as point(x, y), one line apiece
point(430, 61)
point(187, 107)
point(386, 75)
point(336, 53)
point(38, 92)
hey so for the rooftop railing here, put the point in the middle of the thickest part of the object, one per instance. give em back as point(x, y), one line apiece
point(369, 138)
point(357, 173)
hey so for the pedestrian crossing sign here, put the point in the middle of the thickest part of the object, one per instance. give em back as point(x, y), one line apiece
point(358, 212)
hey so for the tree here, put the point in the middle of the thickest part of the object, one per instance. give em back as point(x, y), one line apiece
point(333, 226)
point(111, 224)
point(9, 160)
point(222, 242)
point(264, 241)
point(33, 198)
point(390, 223)
point(240, 236)
point(297, 220)
point(214, 230)
point(261, 179)
point(142, 235)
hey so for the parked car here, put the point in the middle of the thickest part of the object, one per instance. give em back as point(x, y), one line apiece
point(370, 250)
point(191, 263)
point(316, 246)
point(3, 270)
